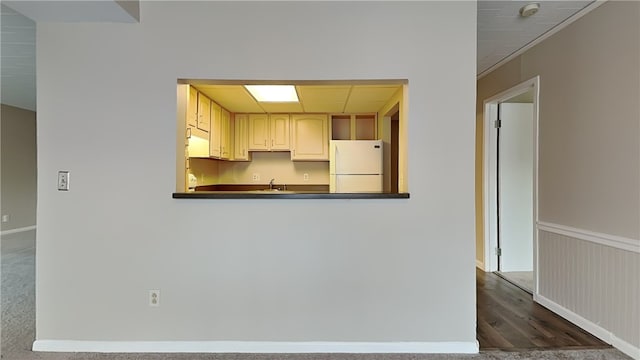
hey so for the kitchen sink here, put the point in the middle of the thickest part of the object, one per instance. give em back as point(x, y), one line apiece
point(271, 191)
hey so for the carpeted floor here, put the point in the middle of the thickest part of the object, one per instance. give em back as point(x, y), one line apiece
point(18, 292)
point(18, 325)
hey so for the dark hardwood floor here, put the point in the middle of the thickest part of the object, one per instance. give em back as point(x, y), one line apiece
point(508, 319)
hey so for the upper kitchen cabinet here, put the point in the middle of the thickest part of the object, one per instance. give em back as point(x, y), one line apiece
point(204, 114)
point(354, 127)
point(226, 149)
point(192, 107)
point(215, 148)
point(241, 137)
point(258, 132)
point(269, 132)
point(309, 137)
point(279, 131)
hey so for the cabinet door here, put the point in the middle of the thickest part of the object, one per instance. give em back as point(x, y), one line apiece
point(225, 134)
point(216, 129)
point(309, 137)
point(204, 114)
point(241, 137)
point(279, 131)
point(192, 107)
point(258, 132)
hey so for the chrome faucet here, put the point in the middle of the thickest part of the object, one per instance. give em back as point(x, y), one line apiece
point(271, 184)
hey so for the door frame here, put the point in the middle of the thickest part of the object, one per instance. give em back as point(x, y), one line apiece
point(490, 175)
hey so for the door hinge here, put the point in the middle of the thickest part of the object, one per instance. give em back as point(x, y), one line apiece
point(499, 251)
point(497, 124)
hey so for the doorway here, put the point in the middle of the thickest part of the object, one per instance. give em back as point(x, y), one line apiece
point(514, 182)
point(510, 184)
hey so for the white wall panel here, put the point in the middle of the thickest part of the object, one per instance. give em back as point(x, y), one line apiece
point(599, 283)
point(251, 270)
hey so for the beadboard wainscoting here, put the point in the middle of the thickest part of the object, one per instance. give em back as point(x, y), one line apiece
point(592, 280)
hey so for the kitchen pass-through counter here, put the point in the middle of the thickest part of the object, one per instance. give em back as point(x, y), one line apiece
point(278, 191)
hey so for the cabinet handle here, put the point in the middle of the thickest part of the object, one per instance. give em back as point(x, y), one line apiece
point(265, 142)
point(271, 142)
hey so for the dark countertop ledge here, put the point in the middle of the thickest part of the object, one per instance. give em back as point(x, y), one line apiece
point(287, 195)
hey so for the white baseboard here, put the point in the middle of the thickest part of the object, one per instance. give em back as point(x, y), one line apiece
point(596, 330)
point(18, 230)
point(471, 347)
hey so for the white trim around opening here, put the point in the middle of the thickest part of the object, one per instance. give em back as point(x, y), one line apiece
point(489, 172)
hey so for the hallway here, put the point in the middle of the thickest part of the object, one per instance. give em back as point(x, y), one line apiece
point(509, 319)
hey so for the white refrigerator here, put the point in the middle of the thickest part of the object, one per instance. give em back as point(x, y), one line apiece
point(355, 166)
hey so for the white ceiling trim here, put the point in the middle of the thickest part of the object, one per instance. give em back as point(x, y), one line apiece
point(592, 6)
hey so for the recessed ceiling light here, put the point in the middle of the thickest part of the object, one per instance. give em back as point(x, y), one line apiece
point(273, 93)
point(529, 9)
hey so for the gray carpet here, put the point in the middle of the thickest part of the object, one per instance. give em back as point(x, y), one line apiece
point(18, 325)
point(18, 292)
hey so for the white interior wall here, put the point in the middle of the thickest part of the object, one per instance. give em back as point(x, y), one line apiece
point(248, 270)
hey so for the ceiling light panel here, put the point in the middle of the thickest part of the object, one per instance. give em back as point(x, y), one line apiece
point(273, 93)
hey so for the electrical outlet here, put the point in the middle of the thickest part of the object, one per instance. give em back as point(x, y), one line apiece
point(255, 177)
point(154, 297)
point(305, 177)
point(5, 218)
point(63, 180)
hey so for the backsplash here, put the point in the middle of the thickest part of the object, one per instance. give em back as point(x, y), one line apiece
point(267, 165)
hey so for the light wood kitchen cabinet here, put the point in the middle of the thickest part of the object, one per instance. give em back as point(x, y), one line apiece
point(241, 137)
point(354, 127)
point(216, 129)
point(279, 131)
point(204, 114)
point(309, 137)
point(258, 132)
point(225, 135)
point(269, 132)
point(192, 107)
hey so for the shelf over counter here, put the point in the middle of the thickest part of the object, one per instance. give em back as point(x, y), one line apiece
point(285, 195)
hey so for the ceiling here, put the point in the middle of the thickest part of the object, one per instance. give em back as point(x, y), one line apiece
point(501, 33)
point(322, 98)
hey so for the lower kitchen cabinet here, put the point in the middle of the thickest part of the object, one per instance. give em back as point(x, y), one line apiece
point(310, 137)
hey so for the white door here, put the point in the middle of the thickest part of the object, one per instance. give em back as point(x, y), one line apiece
point(515, 187)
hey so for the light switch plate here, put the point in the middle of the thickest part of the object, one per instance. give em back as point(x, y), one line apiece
point(63, 180)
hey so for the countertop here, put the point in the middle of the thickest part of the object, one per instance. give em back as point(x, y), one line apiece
point(280, 191)
point(258, 194)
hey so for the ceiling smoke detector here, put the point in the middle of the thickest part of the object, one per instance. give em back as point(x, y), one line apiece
point(529, 9)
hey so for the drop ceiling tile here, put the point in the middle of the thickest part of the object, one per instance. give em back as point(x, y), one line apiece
point(231, 97)
point(366, 93)
point(282, 107)
point(310, 93)
point(321, 107)
point(364, 106)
